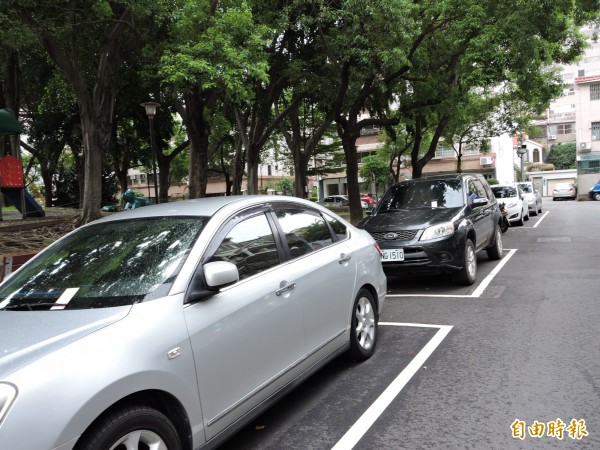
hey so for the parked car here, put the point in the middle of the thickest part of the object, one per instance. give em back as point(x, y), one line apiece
point(594, 192)
point(532, 196)
point(437, 224)
point(339, 202)
point(334, 201)
point(171, 326)
point(564, 190)
point(512, 197)
point(369, 199)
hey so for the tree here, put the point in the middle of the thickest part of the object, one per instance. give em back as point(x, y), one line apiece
point(563, 156)
point(376, 171)
point(84, 40)
point(215, 49)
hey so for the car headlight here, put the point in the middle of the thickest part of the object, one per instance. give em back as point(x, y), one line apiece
point(8, 393)
point(438, 231)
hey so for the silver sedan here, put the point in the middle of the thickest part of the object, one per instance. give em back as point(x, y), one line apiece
point(171, 326)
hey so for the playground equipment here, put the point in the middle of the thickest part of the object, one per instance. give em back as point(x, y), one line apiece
point(133, 201)
point(11, 173)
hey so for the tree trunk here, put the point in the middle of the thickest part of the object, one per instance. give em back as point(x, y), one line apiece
point(238, 166)
point(96, 138)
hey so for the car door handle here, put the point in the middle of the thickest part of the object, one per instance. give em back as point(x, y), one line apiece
point(344, 258)
point(284, 289)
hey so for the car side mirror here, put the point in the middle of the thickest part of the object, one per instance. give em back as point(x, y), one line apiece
point(480, 201)
point(217, 275)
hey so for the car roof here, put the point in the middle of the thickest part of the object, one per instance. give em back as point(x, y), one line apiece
point(202, 207)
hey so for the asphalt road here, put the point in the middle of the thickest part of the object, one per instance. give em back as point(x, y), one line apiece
point(469, 368)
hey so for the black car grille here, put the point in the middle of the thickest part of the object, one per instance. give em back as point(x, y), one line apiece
point(404, 235)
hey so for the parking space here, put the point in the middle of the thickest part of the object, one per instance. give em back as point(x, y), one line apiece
point(338, 405)
point(347, 404)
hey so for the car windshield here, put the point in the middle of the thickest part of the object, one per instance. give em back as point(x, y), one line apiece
point(423, 194)
point(104, 265)
point(504, 191)
point(526, 188)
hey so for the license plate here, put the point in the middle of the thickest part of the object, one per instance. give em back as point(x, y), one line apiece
point(396, 254)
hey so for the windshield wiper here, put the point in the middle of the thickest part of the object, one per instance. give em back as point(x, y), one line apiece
point(33, 306)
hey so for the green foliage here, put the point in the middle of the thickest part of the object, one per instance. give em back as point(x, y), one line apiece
point(563, 156)
point(374, 169)
point(284, 185)
point(216, 49)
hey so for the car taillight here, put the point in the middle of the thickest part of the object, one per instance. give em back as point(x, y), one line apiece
point(378, 249)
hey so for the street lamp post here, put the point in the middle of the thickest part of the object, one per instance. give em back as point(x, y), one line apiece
point(151, 112)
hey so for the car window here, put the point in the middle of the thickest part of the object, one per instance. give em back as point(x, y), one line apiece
point(104, 265)
point(481, 192)
point(339, 229)
point(504, 191)
point(304, 232)
point(249, 245)
point(527, 188)
point(475, 190)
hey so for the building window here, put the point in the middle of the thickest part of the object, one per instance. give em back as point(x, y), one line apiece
point(561, 128)
point(595, 91)
point(588, 166)
point(595, 131)
point(444, 151)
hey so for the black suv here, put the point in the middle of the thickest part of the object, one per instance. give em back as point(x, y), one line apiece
point(438, 224)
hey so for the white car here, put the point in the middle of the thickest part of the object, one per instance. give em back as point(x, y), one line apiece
point(339, 202)
point(512, 197)
point(172, 326)
point(532, 196)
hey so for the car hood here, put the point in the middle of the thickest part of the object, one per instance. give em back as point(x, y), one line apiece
point(29, 335)
point(409, 219)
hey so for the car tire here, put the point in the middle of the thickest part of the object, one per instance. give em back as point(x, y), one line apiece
point(494, 251)
point(520, 222)
point(534, 212)
point(468, 274)
point(363, 326)
point(526, 218)
point(540, 209)
point(130, 427)
point(597, 196)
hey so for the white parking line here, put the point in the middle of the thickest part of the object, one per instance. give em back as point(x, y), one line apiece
point(540, 220)
point(480, 288)
point(362, 425)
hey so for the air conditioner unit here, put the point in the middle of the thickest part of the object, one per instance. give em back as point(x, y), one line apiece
point(486, 160)
point(584, 146)
point(552, 137)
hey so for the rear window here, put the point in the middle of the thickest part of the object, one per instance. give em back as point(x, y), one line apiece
point(504, 191)
point(103, 265)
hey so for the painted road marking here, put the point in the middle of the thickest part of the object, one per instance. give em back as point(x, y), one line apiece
point(540, 220)
point(362, 425)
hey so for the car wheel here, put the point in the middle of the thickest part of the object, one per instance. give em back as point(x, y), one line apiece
point(520, 221)
point(468, 273)
point(526, 218)
point(495, 250)
point(131, 427)
point(363, 329)
point(534, 212)
point(597, 196)
point(540, 209)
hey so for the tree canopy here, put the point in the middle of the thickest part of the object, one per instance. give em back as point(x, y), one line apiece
point(241, 74)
